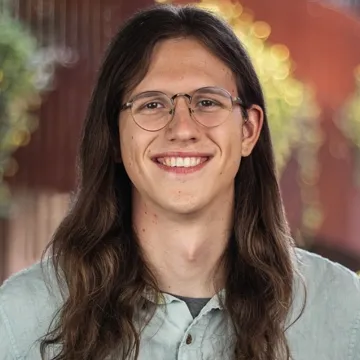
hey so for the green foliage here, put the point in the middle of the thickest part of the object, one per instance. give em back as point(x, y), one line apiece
point(18, 93)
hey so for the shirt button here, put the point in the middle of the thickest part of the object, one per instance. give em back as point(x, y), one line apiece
point(189, 340)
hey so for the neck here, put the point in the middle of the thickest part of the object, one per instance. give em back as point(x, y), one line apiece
point(184, 252)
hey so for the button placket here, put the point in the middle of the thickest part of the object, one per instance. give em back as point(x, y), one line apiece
point(190, 347)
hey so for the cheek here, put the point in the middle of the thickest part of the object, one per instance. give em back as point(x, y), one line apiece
point(127, 152)
point(236, 141)
point(231, 150)
point(229, 140)
point(133, 144)
point(127, 144)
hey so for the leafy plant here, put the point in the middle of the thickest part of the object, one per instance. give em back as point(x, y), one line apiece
point(19, 93)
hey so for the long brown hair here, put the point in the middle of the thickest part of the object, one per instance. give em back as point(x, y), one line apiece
point(95, 251)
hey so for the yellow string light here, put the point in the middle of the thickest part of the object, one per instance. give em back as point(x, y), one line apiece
point(291, 105)
point(261, 30)
point(350, 121)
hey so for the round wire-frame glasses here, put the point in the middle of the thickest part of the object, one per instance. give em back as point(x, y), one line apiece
point(208, 106)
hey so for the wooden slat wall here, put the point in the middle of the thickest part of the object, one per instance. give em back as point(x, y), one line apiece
point(46, 173)
point(83, 27)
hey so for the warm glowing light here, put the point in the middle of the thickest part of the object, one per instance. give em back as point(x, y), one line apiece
point(237, 9)
point(312, 218)
point(291, 107)
point(349, 121)
point(281, 52)
point(261, 29)
point(247, 18)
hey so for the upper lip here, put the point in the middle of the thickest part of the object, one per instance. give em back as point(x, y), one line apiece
point(182, 154)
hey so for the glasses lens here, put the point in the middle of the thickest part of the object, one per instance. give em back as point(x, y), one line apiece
point(211, 106)
point(152, 110)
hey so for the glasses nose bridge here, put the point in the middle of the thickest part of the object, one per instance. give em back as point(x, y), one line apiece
point(187, 97)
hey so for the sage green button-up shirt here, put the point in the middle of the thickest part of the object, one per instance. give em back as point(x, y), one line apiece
point(329, 328)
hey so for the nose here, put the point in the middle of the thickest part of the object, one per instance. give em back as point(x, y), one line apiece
point(182, 127)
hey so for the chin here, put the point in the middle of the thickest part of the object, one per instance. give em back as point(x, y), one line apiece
point(183, 206)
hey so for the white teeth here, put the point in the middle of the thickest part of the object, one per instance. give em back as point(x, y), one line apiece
point(180, 161)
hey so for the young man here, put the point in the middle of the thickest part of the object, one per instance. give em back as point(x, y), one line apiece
point(177, 246)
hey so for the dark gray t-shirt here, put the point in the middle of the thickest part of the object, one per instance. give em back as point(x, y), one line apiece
point(194, 304)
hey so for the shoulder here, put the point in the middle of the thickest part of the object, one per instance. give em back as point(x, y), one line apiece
point(325, 275)
point(30, 288)
point(332, 305)
point(28, 303)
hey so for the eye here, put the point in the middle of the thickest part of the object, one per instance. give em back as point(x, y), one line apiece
point(149, 106)
point(153, 105)
point(207, 103)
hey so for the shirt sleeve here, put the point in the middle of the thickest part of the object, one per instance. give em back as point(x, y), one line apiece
point(355, 339)
point(354, 350)
point(7, 341)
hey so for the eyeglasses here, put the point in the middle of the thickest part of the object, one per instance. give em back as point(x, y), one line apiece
point(209, 106)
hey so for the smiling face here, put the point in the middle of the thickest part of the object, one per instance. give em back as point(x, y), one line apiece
point(185, 166)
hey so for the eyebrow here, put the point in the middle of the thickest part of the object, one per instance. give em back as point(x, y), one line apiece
point(151, 91)
point(188, 92)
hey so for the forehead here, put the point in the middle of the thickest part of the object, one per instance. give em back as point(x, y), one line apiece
point(183, 65)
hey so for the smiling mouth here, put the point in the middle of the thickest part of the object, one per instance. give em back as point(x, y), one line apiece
point(181, 165)
point(181, 162)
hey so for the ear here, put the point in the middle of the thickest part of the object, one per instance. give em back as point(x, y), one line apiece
point(251, 129)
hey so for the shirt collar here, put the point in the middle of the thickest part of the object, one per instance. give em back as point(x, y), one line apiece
point(216, 302)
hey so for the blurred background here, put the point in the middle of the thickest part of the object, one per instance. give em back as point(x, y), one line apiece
point(306, 52)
